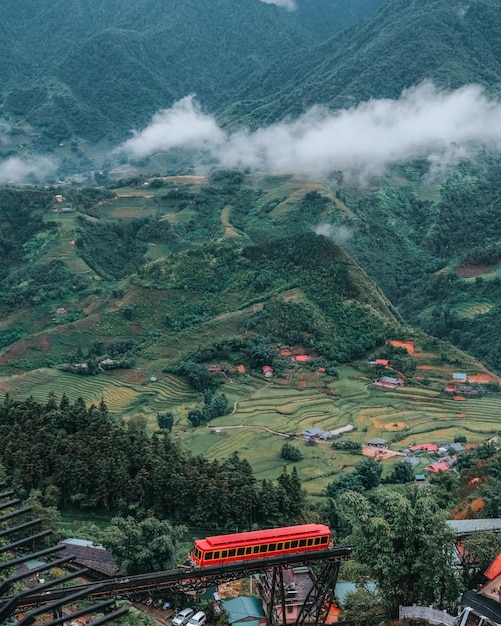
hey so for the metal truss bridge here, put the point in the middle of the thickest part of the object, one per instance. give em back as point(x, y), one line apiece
point(49, 597)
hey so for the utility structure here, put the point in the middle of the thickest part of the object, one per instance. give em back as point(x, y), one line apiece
point(182, 580)
point(298, 595)
point(11, 572)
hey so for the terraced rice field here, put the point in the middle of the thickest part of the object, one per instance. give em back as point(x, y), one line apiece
point(64, 249)
point(267, 413)
point(473, 309)
point(126, 399)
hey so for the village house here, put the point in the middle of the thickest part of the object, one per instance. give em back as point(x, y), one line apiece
point(99, 562)
point(381, 362)
point(434, 468)
point(267, 371)
point(389, 382)
point(378, 443)
point(483, 606)
point(302, 358)
point(244, 610)
point(317, 433)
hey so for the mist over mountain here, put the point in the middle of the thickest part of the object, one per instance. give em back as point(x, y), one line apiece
point(314, 84)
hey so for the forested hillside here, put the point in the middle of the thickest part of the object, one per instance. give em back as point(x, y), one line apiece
point(98, 70)
point(401, 45)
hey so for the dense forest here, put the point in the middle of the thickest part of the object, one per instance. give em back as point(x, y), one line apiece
point(84, 459)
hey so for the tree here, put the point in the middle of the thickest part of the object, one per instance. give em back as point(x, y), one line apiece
point(291, 453)
point(369, 471)
point(406, 545)
point(294, 494)
point(402, 473)
point(347, 482)
point(196, 417)
point(198, 376)
point(165, 420)
point(363, 607)
point(148, 545)
point(479, 551)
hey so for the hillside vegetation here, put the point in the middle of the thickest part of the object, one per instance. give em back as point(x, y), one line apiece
point(97, 70)
point(401, 45)
point(132, 292)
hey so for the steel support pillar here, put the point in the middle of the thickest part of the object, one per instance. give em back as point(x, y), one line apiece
point(321, 596)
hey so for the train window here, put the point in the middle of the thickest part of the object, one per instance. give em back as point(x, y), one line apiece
point(317, 540)
point(224, 554)
point(263, 548)
point(240, 551)
point(255, 549)
point(280, 546)
point(302, 543)
point(248, 550)
point(208, 556)
point(232, 552)
point(309, 542)
point(272, 547)
point(216, 554)
point(294, 544)
point(287, 545)
point(324, 540)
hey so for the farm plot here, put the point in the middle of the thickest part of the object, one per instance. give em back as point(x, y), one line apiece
point(121, 398)
point(471, 310)
point(63, 248)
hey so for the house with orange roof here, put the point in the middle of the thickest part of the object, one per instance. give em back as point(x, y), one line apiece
point(438, 467)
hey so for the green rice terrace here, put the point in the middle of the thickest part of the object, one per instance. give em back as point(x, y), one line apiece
point(266, 413)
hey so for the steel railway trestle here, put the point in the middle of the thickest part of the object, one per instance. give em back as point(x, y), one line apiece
point(314, 610)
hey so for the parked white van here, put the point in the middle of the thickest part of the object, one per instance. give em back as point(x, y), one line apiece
point(198, 619)
point(182, 617)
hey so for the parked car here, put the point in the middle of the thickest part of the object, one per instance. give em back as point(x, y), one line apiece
point(181, 618)
point(198, 619)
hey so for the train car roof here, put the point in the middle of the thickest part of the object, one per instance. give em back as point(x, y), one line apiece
point(284, 533)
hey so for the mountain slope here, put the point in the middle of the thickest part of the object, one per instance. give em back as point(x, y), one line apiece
point(119, 62)
point(404, 43)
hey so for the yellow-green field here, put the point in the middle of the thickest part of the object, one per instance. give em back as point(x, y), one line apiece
point(267, 413)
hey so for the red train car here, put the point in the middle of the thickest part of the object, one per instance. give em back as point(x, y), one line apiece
point(260, 543)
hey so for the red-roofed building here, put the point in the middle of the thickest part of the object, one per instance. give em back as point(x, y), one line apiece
point(267, 371)
point(302, 358)
point(424, 447)
point(383, 362)
point(437, 467)
point(494, 569)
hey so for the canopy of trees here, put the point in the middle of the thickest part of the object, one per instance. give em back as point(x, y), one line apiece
point(82, 458)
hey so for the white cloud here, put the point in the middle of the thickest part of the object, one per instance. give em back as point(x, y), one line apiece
point(290, 5)
point(16, 170)
point(182, 126)
point(340, 233)
point(424, 122)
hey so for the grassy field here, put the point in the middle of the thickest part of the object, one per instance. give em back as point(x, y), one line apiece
point(265, 414)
